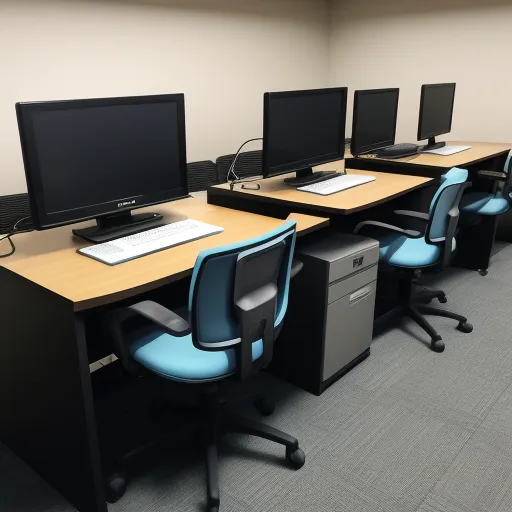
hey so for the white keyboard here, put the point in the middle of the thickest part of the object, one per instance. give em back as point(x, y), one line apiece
point(337, 184)
point(152, 240)
point(447, 150)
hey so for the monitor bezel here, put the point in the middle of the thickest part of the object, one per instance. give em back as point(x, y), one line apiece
point(45, 220)
point(278, 170)
point(368, 148)
point(424, 87)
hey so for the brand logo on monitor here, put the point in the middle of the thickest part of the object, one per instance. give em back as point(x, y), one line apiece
point(357, 262)
point(125, 203)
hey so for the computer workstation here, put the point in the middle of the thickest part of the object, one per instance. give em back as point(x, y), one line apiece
point(375, 119)
point(303, 129)
point(374, 125)
point(103, 158)
point(435, 118)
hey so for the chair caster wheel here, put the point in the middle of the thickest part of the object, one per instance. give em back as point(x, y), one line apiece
point(116, 486)
point(465, 327)
point(296, 458)
point(265, 406)
point(437, 344)
point(443, 300)
point(213, 506)
point(483, 272)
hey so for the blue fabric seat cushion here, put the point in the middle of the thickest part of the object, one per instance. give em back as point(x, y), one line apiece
point(177, 358)
point(484, 203)
point(400, 251)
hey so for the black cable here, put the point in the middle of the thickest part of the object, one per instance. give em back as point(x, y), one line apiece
point(13, 247)
point(12, 232)
point(232, 166)
point(245, 180)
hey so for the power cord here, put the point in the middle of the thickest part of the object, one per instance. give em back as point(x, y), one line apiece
point(232, 166)
point(244, 181)
point(13, 231)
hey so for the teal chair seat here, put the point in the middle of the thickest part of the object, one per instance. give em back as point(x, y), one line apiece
point(487, 203)
point(401, 251)
point(177, 358)
point(484, 203)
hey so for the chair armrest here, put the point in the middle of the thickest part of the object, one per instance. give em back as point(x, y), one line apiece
point(115, 324)
point(165, 318)
point(409, 233)
point(492, 175)
point(415, 215)
point(296, 268)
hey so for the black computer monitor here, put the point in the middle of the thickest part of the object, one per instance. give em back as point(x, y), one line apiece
point(436, 113)
point(302, 129)
point(374, 120)
point(102, 158)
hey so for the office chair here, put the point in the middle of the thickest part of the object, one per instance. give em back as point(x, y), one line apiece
point(201, 175)
point(248, 164)
point(488, 203)
point(237, 302)
point(430, 246)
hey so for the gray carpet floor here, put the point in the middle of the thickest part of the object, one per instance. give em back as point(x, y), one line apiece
point(407, 430)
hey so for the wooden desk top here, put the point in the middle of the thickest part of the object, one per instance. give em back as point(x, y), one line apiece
point(479, 151)
point(49, 258)
point(384, 188)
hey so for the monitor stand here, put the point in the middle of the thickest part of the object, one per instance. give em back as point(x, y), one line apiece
point(308, 177)
point(432, 144)
point(110, 227)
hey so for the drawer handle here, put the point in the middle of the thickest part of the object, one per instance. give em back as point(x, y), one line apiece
point(360, 294)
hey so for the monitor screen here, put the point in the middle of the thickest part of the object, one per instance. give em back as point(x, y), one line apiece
point(374, 119)
point(303, 128)
point(84, 158)
point(436, 110)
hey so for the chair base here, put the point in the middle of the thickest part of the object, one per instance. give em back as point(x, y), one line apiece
point(414, 306)
point(215, 423)
point(218, 422)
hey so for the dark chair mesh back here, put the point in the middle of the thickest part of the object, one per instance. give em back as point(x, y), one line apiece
point(201, 175)
point(259, 269)
point(442, 225)
point(12, 209)
point(248, 164)
point(255, 296)
point(507, 188)
point(212, 288)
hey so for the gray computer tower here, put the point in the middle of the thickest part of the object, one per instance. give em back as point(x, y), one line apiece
point(329, 324)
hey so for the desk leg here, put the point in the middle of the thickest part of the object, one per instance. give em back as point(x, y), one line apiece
point(474, 244)
point(46, 404)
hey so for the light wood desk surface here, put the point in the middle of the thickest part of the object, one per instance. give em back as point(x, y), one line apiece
point(384, 188)
point(49, 258)
point(478, 152)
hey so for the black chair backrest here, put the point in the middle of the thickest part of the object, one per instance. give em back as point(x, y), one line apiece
point(13, 208)
point(444, 212)
point(248, 164)
point(239, 294)
point(507, 188)
point(201, 175)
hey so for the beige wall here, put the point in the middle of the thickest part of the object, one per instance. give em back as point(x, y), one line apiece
point(223, 54)
point(406, 43)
